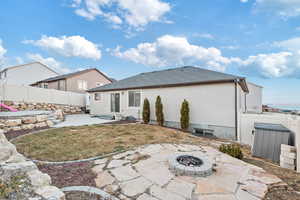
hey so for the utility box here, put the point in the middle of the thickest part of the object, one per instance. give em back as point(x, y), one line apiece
point(268, 139)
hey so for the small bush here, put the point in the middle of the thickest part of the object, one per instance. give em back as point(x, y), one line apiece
point(233, 150)
point(159, 111)
point(185, 115)
point(146, 111)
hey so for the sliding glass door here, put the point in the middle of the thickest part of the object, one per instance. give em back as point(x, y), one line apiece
point(115, 102)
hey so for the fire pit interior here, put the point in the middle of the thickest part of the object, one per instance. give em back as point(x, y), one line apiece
point(190, 165)
point(190, 161)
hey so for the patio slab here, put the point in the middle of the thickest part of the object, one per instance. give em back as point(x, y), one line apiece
point(80, 120)
point(150, 177)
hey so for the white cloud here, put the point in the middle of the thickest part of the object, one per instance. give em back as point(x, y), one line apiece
point(292, 44)
point(50, 62)
point(244, 1)
point(171, 50)
point(136, 13)
point(2, 52)
point(204, 35)
point(284, 8)
point(285, 63)
point(271, 65)
point(72, 46)
point(231, 47)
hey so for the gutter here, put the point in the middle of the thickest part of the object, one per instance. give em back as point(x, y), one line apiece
point(236, 111)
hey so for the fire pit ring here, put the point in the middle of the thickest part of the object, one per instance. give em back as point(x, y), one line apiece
point(190, 165)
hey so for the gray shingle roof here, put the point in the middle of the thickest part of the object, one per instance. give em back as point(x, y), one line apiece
point(64, 76)
point(170, 77)
point(55, 78)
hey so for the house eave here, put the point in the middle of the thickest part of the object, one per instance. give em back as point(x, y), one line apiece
point(167, 85)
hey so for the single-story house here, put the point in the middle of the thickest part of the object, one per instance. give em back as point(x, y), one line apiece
point(79, 81)
point(26, 74)
point(216, 99)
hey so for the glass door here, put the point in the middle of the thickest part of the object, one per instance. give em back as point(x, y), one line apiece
point(115, 102)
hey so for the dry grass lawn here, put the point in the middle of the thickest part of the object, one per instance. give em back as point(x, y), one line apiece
point(74, 143)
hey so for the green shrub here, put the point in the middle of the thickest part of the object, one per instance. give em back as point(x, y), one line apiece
point(159, 111)
point(146, 111)
point(233, 150)
point(185, 115)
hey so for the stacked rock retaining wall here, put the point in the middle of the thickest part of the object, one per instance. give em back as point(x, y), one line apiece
point(22, 121)
point(35, 184)
point(21, 106)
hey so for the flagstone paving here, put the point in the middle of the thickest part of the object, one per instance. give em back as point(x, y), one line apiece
point(143, 174)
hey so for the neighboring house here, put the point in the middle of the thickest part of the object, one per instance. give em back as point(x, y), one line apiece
point(216, 99)
point(79, 81)
point(26, 74)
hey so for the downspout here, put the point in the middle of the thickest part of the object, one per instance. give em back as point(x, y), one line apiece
point(236, 112)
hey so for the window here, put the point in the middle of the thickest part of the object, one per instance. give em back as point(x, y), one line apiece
point(45, 85)
point(82, 85)
point(134, 99)
point(61, 85)
point(97, 96)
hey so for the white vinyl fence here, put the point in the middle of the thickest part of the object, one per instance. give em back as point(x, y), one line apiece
point(40, 95)
point(292, 122)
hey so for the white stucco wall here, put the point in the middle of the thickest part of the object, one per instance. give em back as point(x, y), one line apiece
point(254, 98)
point(28, 74)
point(209, 104)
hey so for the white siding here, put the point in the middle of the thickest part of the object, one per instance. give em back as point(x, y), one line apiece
point(254, 98)
point(209, 104)
point(28, 74)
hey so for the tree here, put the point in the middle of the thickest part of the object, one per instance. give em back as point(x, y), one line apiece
point(185, 115)
point(146, 111)
point(159, 111)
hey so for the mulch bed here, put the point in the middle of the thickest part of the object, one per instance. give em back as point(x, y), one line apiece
point(13, 134)
point(72, 174)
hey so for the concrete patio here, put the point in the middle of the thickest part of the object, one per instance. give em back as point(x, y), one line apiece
point(80, 120)
point(143, 174)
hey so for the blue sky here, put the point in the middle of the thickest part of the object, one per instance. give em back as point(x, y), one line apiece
point(258, 39)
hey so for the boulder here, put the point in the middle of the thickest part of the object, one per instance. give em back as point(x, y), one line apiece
point(38, 179)
point(13, 122)
point(49, 123)
point(29, 120)
point(16, 128)
point(41, 118)
point(50, 192)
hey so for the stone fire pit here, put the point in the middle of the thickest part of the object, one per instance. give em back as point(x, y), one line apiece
point(189, 165)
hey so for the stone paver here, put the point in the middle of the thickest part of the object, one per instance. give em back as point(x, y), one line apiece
point(98, 168)
point(136, 186)
point(146, 197)
point(100, 161)
point(154, 171)
point(181, 188)
point(217, 197)
point(103, 179)
point(151, 179)
point(116, 163)
point(164, 194)
point(124, 173)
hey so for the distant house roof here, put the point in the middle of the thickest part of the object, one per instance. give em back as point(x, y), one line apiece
point(65, 76)
point(182, 76)
point(16, 66)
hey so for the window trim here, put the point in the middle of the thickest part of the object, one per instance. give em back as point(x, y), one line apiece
point(137, 91)
point(80, 83)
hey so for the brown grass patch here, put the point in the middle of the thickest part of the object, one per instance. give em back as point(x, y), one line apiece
point(87, 141)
